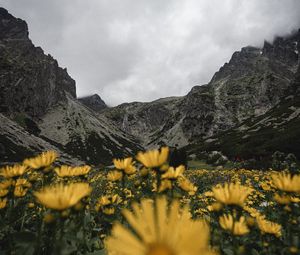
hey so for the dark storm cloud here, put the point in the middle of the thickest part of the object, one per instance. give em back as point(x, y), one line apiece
point(141, 50)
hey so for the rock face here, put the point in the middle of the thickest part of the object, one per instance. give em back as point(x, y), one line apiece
point(39, 109)
point(93, 102)
point(252, 100)
point(253, 82)
point(30, 81)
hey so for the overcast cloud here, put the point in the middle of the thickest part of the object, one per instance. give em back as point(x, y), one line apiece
point(141, 50)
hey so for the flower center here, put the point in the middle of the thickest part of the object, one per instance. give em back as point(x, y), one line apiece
point(159, 249)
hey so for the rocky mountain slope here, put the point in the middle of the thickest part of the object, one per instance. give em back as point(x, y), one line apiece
point(38, 104)
point(249, 85)
point(93, 102)
point(251, 104)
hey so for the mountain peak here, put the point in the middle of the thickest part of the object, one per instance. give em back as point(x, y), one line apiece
point(93, 102)
point(11, 27)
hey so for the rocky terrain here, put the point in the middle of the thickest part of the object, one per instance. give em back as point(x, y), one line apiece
point(252, 83)
point(250, 106)
point(39, 109)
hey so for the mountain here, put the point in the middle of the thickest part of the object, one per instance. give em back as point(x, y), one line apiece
point(93, 102)
point(253, 82)
point(250, 107)
point(38, 102)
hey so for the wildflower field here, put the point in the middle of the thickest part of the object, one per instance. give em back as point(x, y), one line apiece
point(142, 206)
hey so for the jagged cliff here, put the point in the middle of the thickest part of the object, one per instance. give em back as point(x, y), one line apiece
point(253, 97)
point(38, 103)
point(250, 84)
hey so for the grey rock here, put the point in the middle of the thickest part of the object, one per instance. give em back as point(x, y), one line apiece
point(94, 102)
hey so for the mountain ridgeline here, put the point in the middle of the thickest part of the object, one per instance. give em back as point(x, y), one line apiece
point(250, 107)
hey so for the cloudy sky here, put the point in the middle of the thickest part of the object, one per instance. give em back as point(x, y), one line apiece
point(141, 50)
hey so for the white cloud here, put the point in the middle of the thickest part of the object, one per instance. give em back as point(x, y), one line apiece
point(140, 50)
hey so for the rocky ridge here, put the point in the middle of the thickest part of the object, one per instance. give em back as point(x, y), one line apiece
point(38, 103)
point(250, 84)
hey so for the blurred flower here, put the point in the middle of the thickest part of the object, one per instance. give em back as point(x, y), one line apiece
point(215, 207)
point(153, 158)
point(49, 218)
point(144, 172)
point(114, 176)
point(13, 171)
point(30, 205)
point(159, 231)
point(43, 160)
point(6, 184)
point(20, 191)
point(3, 203)
point(3, 192)
point(67, 171)
point(283, 200)
point(187, 186)
point(125, 164)
point(268, 227)
point(286, 182)
point(104, 201)
point(164, 185)
point(108, 211)
point(231, 194)
point(60, 197)
point(235, 227)
point(23, 182)
point(173, 173)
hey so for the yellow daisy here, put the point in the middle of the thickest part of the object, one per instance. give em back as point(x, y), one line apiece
point(13, 171)
point(114, 176)
point(61, 197)
point(153, 158)
point(173, 173)
point(125, 165)
point(43, 160)
point(286, 182)
point(268, 227)
point(235, 227)
point(231, 194)
point(159, 230)
point(67, 171)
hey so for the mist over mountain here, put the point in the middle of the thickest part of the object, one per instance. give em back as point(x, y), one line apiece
point(250, 101)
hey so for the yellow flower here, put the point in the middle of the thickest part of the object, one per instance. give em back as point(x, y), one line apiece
point(6, 184)
point(231, 194)
point(283, 200)
point(164, 185)
point(30, 205)
point(23, 182)
point(125, 164)
point(153, 158)
point(43, 160)
point(173, 173)
point(286, 182)
point(159, 231)
point(67, 171)
point(108, 211)
point(144, 172)
point(49, 218)
point(215, 207)
point(60, 197)
point(3, 192)
point(114, 176)
point(252, 211)
point(20, 191)
point(268, 227)
point(187, 186)
point(3, 203)
point(13, 171)
point(235, 227)
point(107, 200)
